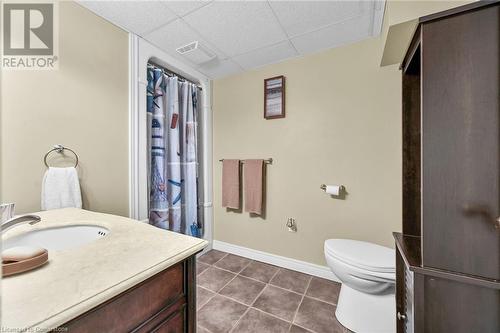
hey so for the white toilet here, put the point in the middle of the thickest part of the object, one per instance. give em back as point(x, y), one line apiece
point(367, 301)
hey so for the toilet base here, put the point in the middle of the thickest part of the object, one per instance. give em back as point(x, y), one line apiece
point(366, 313)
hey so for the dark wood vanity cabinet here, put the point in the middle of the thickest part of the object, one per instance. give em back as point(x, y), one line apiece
point(166, 302)
point(448, 255)
point(436, 300)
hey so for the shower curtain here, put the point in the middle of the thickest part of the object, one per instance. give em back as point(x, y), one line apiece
point(172, 148)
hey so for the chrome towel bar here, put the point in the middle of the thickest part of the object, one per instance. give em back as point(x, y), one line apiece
point(267, 161)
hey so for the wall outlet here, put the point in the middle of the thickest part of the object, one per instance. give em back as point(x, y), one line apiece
point(291, 225)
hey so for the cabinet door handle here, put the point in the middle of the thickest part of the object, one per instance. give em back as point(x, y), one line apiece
point(401, 316)
point(482, 211)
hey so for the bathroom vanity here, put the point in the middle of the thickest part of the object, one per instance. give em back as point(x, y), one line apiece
point(132, 277)
point(165, 302)
point(448, 255)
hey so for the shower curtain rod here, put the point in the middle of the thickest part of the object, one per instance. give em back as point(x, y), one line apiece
point(170, 73)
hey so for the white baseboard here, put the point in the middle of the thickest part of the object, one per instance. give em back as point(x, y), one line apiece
point(273, 259)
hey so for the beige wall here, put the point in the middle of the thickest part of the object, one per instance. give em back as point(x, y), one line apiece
point(83, 105)
point(342, 126)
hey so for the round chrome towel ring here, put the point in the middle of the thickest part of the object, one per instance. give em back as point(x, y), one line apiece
point(59, 149)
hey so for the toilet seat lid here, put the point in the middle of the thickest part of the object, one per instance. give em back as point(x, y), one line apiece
point(364, 255)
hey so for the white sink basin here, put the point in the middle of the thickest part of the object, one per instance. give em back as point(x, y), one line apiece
point(58, 238)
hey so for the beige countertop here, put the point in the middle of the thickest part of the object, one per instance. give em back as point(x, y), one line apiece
point(77, 280)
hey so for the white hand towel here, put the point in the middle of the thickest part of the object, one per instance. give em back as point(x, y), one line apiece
point(61, 189)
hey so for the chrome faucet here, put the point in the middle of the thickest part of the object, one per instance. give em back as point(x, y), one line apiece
point(19, 220)
point(9, 221)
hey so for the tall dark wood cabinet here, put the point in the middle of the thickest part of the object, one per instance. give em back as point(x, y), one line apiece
point(448, 255)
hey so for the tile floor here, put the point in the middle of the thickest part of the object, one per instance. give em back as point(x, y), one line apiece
point(236, 294)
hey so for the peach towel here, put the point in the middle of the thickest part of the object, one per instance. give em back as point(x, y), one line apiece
point(253, 180)
point(231, 184)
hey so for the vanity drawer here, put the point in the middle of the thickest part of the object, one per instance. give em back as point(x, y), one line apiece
point(159, 295)
point(175, 324)
point(171, 320)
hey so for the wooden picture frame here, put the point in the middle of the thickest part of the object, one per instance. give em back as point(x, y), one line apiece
point(274, 97)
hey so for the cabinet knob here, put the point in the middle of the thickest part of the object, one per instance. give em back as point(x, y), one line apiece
point(401, 316)
point(497, 222)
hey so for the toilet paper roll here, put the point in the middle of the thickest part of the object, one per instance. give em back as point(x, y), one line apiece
point(333, 189)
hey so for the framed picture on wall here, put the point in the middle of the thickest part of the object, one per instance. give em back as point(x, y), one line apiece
point(274, 97)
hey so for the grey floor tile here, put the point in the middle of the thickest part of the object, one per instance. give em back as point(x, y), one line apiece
point(222, 294)
point(214, 279)
point(243, 289)
point(255, 321)
point(291, 280)
point(233, 263)
point(220, 314)
point(324, 290)
point(318, 316)
point(211, 257)
point(201, 267)
point(203, 296)
point(260, 271)
point(279, 302)
point(298, 329)
point(200, 329)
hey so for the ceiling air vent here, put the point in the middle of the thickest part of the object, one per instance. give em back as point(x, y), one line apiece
point(196, 53)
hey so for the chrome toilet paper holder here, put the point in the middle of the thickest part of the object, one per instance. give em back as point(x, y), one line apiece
point(341, 187)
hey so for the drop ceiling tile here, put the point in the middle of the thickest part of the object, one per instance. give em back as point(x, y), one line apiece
point(299, 17)
point(183, 7)
point(334, 35)
point(237, 27)
point(175, 34)
point(135, 16)
point(266, 55)
point(218, 68)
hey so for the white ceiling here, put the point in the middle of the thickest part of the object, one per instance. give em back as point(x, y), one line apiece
point(245, 34)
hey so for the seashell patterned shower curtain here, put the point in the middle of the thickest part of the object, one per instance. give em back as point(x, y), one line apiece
point(172, 148)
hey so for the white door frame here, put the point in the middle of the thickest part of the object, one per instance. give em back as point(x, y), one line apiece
point(140, 53)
